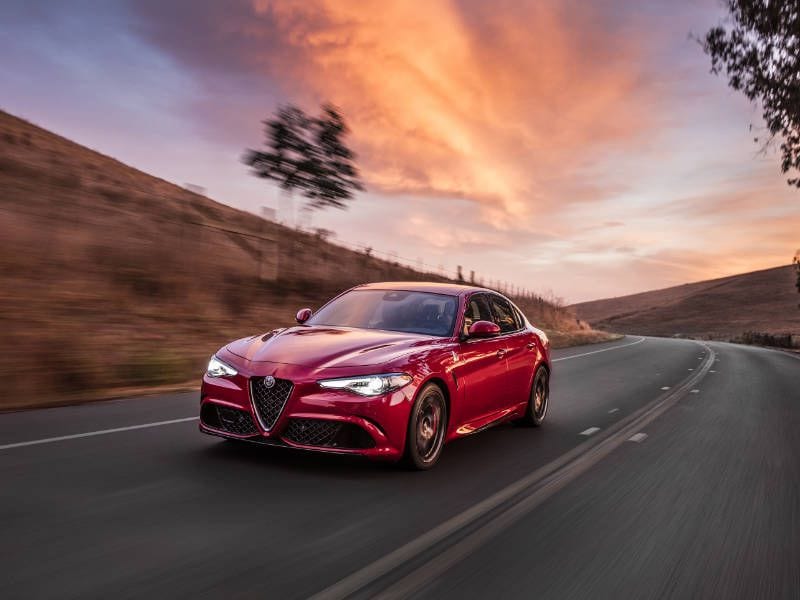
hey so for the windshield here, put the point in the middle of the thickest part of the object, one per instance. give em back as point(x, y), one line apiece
point(392, 310)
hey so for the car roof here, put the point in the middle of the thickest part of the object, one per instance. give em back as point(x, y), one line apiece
point(451, 289)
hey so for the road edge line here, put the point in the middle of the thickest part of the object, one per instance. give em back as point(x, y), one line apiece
point(76, 436)
point(639, 341)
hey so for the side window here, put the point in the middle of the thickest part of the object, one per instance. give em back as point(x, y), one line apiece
point(504, 315)
point(477, 310)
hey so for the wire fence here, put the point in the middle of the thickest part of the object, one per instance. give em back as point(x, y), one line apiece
point(443, 271)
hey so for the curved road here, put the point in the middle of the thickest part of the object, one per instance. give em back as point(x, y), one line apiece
point(666, 469)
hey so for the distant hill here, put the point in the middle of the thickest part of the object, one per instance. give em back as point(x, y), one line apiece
point(112, 280)
point(762, 301)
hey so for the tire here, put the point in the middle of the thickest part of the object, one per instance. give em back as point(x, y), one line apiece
point(427, 427)
point(539, 398)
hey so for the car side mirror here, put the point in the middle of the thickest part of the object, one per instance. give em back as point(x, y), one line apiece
point(483, 329)
point(303, 315)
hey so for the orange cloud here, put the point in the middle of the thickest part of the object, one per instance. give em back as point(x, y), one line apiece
point(502, 107)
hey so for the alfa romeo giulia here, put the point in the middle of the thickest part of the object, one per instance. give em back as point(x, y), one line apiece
point(385, 370)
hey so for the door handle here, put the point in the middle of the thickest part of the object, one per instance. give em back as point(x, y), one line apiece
point(501, 353)
point(530, 346)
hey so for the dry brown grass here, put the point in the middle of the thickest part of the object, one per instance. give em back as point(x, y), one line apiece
point(762, 301)
point(114, 280)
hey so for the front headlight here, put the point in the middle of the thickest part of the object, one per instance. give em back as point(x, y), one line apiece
point(217, 368)
point(368, 385)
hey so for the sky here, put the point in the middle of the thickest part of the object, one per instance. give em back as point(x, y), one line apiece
point(579, 149)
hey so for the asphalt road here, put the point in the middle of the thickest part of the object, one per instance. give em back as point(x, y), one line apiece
point(705, 504)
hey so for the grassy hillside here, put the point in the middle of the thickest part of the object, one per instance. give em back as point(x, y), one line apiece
point(114, 280)
point(762, 301)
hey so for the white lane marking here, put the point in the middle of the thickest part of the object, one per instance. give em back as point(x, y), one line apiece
point(639, 341)
point(590, 431)
point(712, 371)
point(665, 388)
point(94, 433)
point(613, 410)
point(638, 437)
point(695, 392)
point(691, 369)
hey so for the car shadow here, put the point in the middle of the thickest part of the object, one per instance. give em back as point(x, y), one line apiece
point(514, 447)
point(275, 457)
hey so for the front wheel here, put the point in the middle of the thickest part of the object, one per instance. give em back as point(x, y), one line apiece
point(427, 426)
point(536, 409)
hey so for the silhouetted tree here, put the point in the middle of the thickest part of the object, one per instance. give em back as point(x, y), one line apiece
point(759, 50)
point(309, 155)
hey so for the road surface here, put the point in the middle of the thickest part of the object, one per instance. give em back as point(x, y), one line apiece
point(666, 469)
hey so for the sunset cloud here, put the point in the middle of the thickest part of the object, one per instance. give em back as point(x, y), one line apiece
point(501, 115)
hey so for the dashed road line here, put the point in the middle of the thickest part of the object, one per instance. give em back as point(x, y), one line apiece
point(613, 410)
point(638, 437)
point(694, 392)
point(590, 431)
point(665, 388)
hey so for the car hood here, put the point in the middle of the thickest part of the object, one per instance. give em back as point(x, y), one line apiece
point(321, 347)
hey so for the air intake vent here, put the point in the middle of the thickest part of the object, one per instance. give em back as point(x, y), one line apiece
point(327, 434)
point(230, 420)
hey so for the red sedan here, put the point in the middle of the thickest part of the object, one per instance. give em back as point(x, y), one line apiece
point(384, 370)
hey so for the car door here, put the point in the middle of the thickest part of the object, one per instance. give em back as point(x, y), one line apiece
point(481, 366)
point(520, 352)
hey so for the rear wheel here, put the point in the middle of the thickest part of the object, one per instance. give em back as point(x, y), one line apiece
point(536, 409)
point(427, 426)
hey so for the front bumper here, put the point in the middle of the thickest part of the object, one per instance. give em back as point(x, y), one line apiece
point(312, 418)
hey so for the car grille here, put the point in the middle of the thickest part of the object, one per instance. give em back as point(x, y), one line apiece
point(269, 401)
point(327, 434)
point(230, 420)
